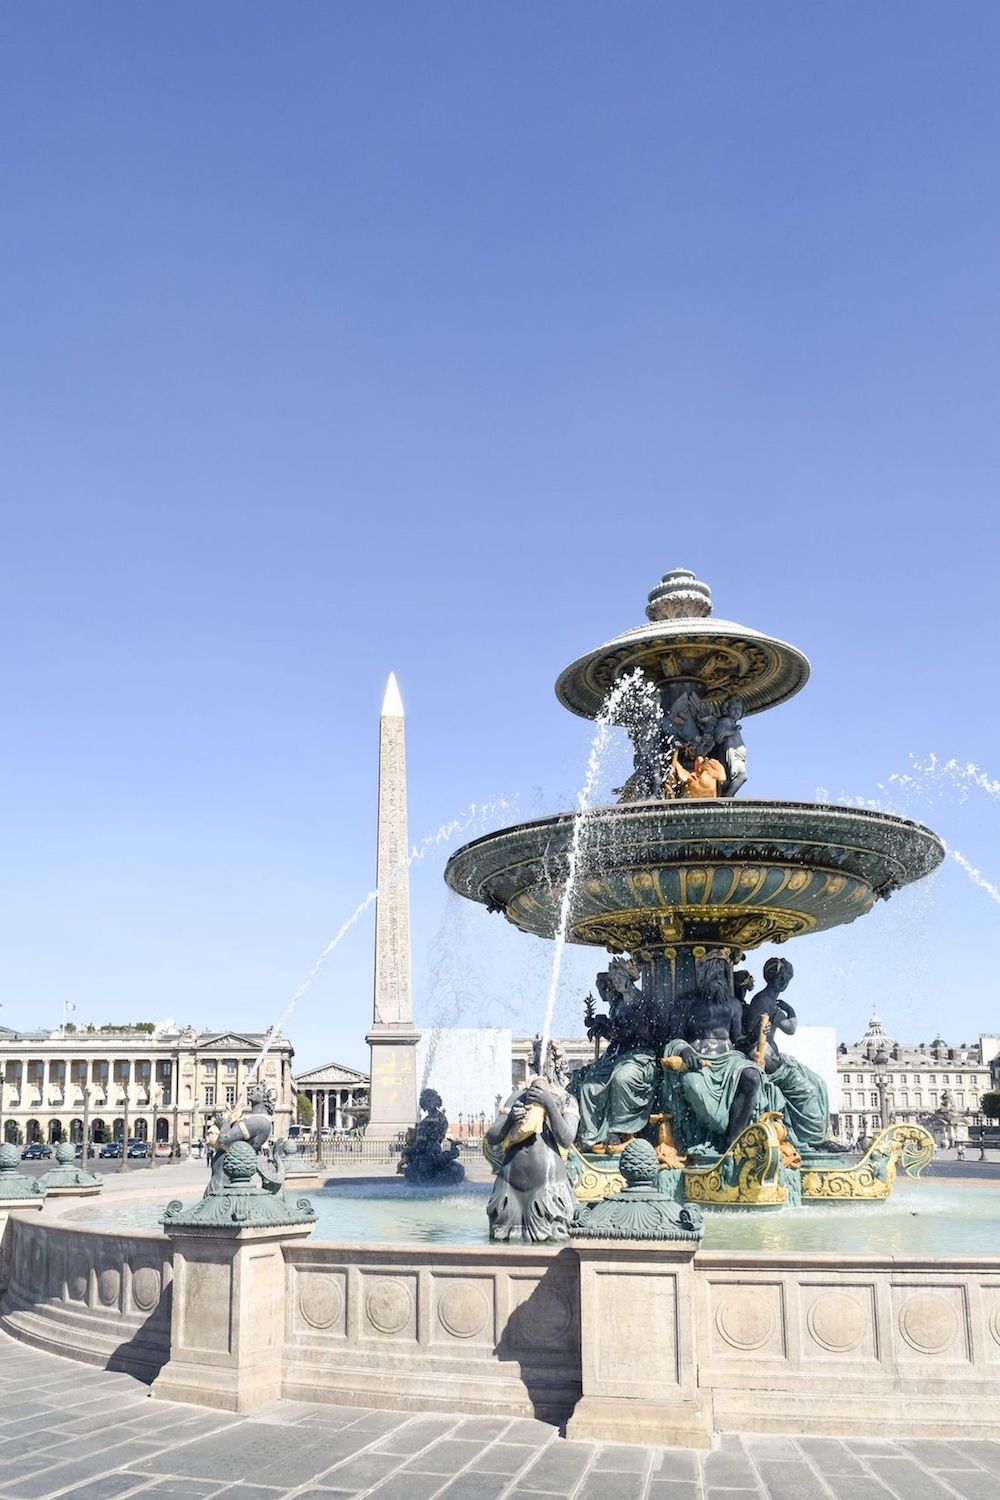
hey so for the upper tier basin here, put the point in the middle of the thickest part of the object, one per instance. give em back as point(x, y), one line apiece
point(727, 871)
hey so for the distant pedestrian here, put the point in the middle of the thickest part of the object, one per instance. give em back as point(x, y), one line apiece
point(960, 1151)
point(982, 1153)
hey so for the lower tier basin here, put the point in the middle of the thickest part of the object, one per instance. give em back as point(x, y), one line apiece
point(931, 1217)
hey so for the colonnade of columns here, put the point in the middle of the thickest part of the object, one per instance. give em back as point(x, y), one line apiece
point(333, 1108)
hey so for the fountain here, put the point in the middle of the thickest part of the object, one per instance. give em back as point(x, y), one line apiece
point(685, 878)
point(634, 1286)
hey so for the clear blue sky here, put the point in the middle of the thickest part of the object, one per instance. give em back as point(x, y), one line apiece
point(347, 338)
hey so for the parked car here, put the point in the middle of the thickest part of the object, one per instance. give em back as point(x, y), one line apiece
point(111, 1148)
point(138, 1148)
point(164, 1150)
point(35, 1151)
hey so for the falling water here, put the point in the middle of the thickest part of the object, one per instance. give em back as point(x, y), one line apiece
point(976, 876)
point(475, 813)
point(934, 776)
point(928, 779)
point(635, 692)
point(931, 778)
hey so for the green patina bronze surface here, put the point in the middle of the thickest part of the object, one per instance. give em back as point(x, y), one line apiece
point(66, 1174)
point(640, 1211)
point(241, 1203)
point(13, 1182)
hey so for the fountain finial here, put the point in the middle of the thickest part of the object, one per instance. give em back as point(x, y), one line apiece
point(679, 595)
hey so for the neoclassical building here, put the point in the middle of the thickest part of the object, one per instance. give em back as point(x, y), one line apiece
point(338, 1095)
point(936, 1084)
point(132, 1084)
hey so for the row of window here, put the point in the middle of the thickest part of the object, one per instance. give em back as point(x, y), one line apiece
point(229, 1095)
point(873, 1122)
point(99, 1067)
point(902, 1077)
point(857, 1099)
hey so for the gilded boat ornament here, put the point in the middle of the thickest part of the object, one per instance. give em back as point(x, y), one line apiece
point(871, 1179)
point(748, 1175)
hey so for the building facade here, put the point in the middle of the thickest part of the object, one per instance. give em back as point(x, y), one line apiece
point(338, 1096)
point(577, 1051)
point(933, 1084)
point(131, 1084)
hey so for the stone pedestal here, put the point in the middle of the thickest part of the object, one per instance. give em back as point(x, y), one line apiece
point(227, 1318)
point(393, 1082)
point(639, 1370)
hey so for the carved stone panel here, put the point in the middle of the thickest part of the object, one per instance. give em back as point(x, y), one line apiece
point(205, 1290)
point(463, 1310)
point(931, 1324)
point(320, 1301)
point(389, 1305)
point(989, 1297)
point(839, 1322)
point(544, 1311)
point(77, 1276)
point(747, 1321)
point(145, 1288)
point(109, 1283)
point(633, 1311)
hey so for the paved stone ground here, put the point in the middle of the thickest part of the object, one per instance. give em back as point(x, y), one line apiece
point(79, 1433)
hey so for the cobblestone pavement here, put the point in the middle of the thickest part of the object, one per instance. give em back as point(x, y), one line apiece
point(69, 1430)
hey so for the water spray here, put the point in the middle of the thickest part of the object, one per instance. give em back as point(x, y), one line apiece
point(634, 686)
point(476, 812)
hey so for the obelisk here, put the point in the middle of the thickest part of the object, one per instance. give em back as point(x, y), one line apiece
point(393, 1037)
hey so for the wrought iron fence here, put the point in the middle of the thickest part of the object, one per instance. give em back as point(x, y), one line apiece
point(360, 1150)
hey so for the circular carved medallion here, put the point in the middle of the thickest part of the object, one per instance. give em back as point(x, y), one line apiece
point(146, 1288)
point(928, 1322)
point(995, 1322)
point(321, 1301)
point(389, 1305)
point(544, 1317)
point(108, 1285)
point(463, 1310)
point(76, 1280)
point(745, 1321)
point(837, 1322)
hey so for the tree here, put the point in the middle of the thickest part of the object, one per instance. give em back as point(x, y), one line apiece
point(989, 1105)
point(304, 1110)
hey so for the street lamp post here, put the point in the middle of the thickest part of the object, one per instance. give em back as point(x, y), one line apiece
point(124, 1165)
point(155, 1095)
point(85, 1153)
point(881, 1063)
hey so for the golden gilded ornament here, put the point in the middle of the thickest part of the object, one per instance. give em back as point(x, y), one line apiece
point(872, 1178)
point(592, 1180)
point(748, 1175)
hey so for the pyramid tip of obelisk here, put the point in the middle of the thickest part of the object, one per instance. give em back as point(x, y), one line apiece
point(392, 703)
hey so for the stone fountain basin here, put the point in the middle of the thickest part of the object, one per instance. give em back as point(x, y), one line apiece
point(734, 872)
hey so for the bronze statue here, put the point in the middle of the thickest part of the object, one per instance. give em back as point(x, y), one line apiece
point(703, 780)
point(616, 1092)
point(532, 1198)
point(803, 1092)
point(711, 1088)
point(426, 1159)
point(251, 1124)
point(729, 747)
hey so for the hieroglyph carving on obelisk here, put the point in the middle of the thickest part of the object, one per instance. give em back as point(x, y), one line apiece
point(393, 1037)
